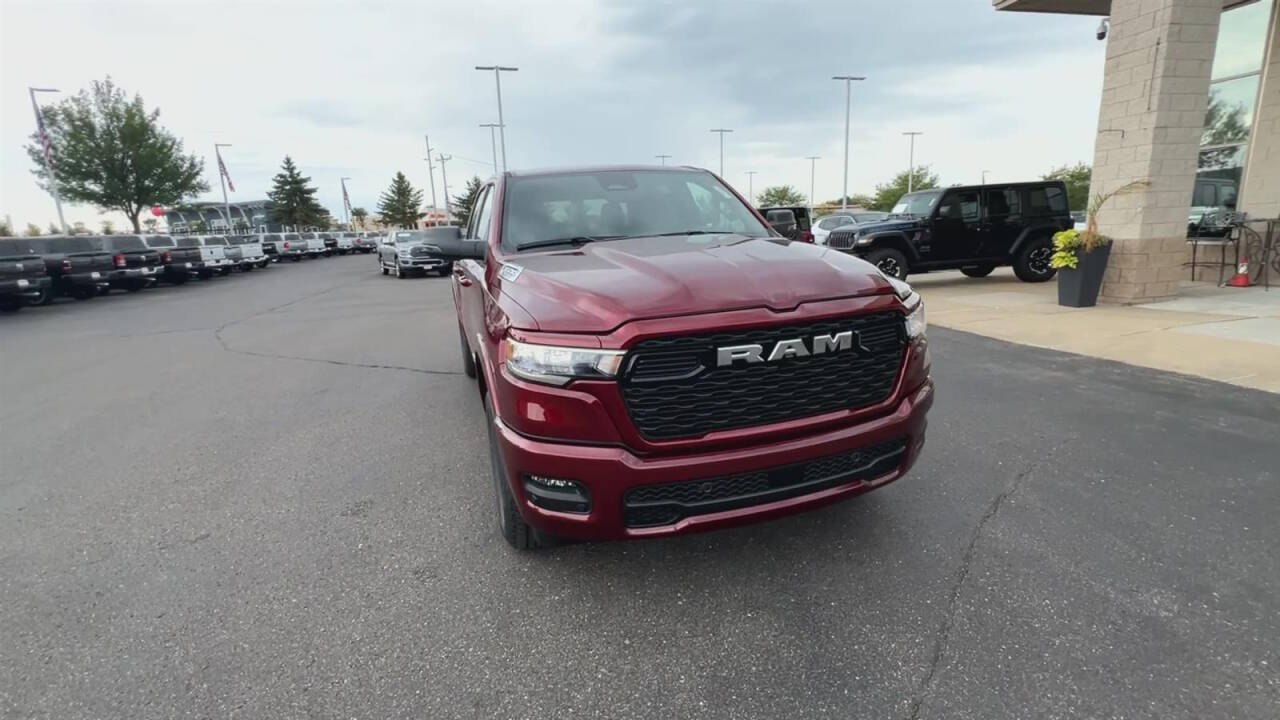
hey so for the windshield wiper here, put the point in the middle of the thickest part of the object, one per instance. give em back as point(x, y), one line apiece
point(575, 241)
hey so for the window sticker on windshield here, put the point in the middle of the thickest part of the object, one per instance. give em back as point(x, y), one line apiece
point(510, 272)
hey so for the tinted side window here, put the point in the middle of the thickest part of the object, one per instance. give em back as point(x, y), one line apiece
point(474, 227)
point(1204, 195)
point(1003, 203)
point(160, 241)
point(486, 215)
point(1046, 201)
point(959, 205)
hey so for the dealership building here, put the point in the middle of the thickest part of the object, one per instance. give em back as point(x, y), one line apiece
point(1190, 91)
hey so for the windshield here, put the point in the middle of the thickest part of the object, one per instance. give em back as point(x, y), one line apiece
point(614, 204)
point(409, 238)
point(159, 241)
point(917, 204)
point(128, 242)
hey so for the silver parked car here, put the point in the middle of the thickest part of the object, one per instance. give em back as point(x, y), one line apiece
point(405, 252)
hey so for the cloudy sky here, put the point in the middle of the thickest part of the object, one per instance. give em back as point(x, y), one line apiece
point(349, 90)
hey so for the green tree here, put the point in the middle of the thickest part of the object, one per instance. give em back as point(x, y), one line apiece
point(32, 230)
point(462, 203)
point(112, 153)
point(294, 199)
point(5, 230)
point(359, 215)
point(888, 194)
point(779, 195)
point(401, 204)
point(55, 228)
point(108, 228)
point(1077, 179)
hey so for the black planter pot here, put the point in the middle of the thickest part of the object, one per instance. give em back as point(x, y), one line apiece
point(1079, 287)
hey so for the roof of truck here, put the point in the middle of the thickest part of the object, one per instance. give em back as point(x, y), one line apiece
point(572, 170)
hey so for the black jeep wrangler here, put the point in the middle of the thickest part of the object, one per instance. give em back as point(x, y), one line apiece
point(974, 229)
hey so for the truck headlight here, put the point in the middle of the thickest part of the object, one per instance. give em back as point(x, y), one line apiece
point(861, 239)
point(916, 324)
point(558, 365)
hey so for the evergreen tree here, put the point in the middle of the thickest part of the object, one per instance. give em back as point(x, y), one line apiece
point(462, 203)
point(294, 199)
point(400, 204)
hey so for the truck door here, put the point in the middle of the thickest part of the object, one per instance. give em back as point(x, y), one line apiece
point(472, 296)
point(1001, 223)
point(956, 227)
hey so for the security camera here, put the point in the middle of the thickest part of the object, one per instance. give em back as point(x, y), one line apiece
point(1102, 28)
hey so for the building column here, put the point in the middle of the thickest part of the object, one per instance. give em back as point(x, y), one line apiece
point(1154, 95)
point(1260, 196)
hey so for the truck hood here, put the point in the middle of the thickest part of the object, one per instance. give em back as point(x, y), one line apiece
point(599, 286)
point(898, 224)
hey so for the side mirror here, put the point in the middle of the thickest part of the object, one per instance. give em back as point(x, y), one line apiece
point(784, 221)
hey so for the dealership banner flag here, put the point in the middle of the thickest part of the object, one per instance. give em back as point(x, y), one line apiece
point(223, 169)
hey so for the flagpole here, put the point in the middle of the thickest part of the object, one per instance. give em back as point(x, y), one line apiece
point(222, 179)
point(48, 159)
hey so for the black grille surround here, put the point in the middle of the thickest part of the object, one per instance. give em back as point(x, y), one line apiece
point(673, 389)
point(655, 505)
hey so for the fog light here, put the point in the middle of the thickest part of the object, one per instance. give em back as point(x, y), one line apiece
point(557, 494)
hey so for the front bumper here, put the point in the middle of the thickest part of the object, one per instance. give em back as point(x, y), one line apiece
point(420, 263)
point(609, 473)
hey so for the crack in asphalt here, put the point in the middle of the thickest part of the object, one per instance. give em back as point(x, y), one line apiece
point(962, 574)
point(217, 333)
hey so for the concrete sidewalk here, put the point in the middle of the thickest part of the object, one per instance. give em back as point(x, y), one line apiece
point(1226, 334)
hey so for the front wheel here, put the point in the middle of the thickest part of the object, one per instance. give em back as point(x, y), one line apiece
point(889, 261)
point(43, 296)
point(385, 271)
point(511, 523)
point(1032, 263)
point(83, 292)
point(263, 264)
point(978, 271)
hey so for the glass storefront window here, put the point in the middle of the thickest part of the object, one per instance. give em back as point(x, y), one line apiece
point(1242, 35)
point(1230, 113)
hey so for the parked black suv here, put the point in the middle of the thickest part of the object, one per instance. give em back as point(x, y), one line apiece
point(975, 229)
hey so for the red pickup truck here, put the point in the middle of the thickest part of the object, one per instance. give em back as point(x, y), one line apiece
point(655, 359)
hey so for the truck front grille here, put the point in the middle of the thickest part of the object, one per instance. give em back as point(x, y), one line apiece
point(653, 505)
point(673, 388)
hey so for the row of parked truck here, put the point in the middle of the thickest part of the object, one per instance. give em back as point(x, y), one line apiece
point(36, 270)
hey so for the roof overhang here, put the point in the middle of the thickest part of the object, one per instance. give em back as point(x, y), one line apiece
point(1075, 7)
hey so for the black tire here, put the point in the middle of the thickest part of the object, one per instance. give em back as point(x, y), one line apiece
point(179, 279)
point(385, 271)
point(83, 292)
point(400, 273)
point(1032, 263)
point(889, 261)
point(296, 258)
point(11, 304)
point(978, 271)
point(511, 523)
point(135, 285)
point(263, 264)
point(105, 289)
point(224, 270)
point(43, 296)
point(206, 274)
point(247, 268)
point(468, 360)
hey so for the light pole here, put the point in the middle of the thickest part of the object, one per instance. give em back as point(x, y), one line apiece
point(813, 159)
point(848, 91)
point(431, 173)
point(911, 159)
point(492, 144)
point(751, 187)
point(722, 131)
point(48, 154)
point(664, 158)
point(346, 202)
point(502, 124)
point(444, 177)
point(222, 180)
point(984, 176)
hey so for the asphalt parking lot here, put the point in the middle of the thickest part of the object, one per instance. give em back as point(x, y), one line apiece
point(267, 496)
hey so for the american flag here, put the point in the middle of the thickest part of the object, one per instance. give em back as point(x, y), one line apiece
point(223, 169)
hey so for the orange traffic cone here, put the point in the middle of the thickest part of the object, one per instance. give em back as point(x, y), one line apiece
point(1241, 278)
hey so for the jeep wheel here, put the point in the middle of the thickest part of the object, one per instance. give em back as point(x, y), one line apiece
point(889, 261)
point(514, 529)
point(978, 271)
point(1032, 263)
